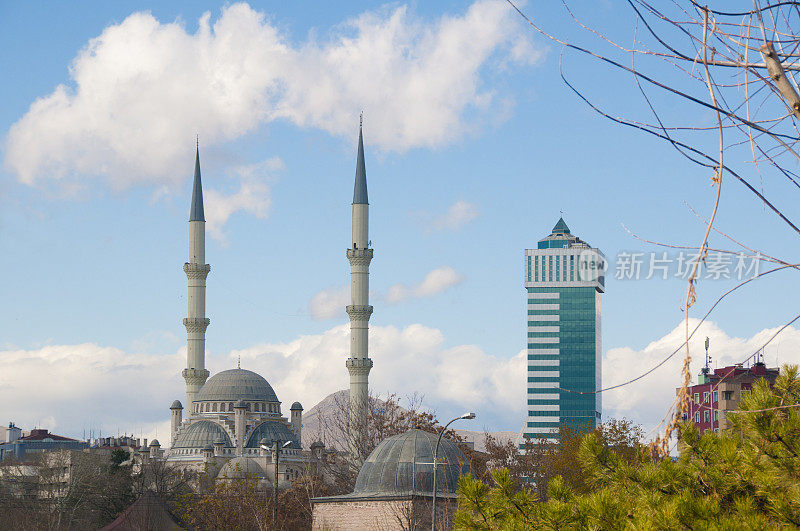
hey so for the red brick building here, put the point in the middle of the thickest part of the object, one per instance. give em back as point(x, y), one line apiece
point(721, 391)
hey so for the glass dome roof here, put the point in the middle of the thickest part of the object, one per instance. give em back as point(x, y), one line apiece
point(403, 464)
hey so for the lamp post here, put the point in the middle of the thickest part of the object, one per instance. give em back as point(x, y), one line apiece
point(277, 447)
point(469, 415)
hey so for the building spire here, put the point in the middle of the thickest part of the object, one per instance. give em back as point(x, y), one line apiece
point(360, 189)
point(196, 212)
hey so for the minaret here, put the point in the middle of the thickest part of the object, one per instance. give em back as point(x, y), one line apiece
point(359, 310)
point(196, 270)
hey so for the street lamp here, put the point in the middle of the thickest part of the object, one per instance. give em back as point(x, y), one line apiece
point(467, 416)
point(277, 447)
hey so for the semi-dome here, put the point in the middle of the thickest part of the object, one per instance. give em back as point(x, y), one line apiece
point(199, 434)
point(403, 464)
point(271, 430)
point(241, 468)
point(236, 384)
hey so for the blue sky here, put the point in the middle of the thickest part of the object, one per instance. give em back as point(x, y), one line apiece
point(469, 161)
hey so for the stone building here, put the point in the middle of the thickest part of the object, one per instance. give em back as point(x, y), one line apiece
point(394, 489)
point(231, 415)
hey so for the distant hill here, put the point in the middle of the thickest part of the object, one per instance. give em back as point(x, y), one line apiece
point(318, 426)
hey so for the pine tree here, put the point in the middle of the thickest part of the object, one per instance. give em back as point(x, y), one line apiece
point(747, 477)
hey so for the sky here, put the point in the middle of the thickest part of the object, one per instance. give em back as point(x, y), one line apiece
point(474, 148)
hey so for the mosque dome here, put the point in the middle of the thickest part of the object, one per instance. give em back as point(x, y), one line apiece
point(403, 464)
point(236, 384)
point(272, 431)
point(241, 468)
point(199, 434)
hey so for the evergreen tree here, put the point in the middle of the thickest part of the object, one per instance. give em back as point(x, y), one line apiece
point(747, 477)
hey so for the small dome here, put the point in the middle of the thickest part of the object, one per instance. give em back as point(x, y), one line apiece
point(271, 430)
point(155, 442)
point(296, 406)
point(176, 405)
point(404, 463)
point(201, 433)
point(236, 384)
point(241, 468)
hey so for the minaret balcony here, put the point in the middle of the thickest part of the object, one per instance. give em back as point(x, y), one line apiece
point(358, 364)
point(359, 312)
point(196, 324)
point(196, 270)
point(359, 256)
point(195, 376)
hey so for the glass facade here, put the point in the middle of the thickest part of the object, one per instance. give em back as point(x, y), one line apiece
point(563, 336)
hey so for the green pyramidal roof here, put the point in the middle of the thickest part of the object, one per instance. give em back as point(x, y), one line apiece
point(561, 227)
point(196, 211)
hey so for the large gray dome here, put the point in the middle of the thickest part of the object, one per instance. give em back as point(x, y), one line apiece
point(242, 468)
point(403, 464)
point(272, 431)
point(201, 433)
point(236, 384)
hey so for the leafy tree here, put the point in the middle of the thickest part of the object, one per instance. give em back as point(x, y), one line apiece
point(747, 477)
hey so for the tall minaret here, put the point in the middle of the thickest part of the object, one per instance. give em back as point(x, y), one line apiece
point(359, 255)
point(196, 270)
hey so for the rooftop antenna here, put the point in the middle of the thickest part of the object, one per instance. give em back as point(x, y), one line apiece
point(708, 357)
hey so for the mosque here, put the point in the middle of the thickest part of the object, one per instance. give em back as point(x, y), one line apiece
point(233, 425)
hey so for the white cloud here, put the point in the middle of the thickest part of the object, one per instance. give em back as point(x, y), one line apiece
point(407, 361)
point(435, 282)
point(252, 197)
point(141, 90)
point(459, 214)
point(70, 387)
point(329, 303)
point(647, 400)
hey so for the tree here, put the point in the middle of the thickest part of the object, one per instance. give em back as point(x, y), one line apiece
point(747, 477)
point(385, 418)
point(717, 82)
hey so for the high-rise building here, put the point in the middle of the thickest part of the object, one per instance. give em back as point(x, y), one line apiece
point(564, 278)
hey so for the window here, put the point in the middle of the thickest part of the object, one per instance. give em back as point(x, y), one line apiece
point(697, 398)
point(214, 407)
point(697, 417)
point(705, 397)
point(727, 395)
point(706, 415)
point(716, 396)
point(716, 415)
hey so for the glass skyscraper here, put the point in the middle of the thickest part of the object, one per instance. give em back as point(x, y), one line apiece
point(564, 278)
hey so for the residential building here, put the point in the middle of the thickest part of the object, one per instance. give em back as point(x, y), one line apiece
point(721, 391)
point(39, 440)
point(564, 279)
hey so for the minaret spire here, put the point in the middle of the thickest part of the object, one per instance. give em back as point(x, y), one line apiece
point(359, 310)
point(196, 270)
